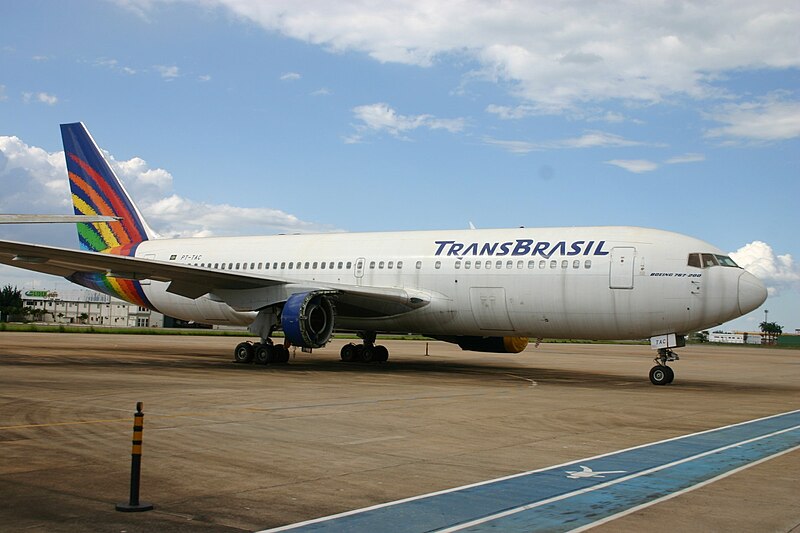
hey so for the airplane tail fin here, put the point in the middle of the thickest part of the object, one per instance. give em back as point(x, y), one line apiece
point(96, 190)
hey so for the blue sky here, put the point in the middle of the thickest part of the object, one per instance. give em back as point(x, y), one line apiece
point(255, 117)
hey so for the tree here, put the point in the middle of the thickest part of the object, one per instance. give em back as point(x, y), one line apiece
point(771, 332)
point(10, 302)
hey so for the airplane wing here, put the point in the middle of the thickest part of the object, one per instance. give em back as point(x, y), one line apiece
point(242, 291)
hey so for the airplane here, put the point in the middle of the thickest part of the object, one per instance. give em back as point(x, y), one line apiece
point(486, 290)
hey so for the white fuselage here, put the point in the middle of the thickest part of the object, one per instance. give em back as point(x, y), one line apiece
point(583, 282)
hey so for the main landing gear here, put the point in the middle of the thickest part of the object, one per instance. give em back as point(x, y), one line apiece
point(369, 352)
point(661, 374)
point(262, 353)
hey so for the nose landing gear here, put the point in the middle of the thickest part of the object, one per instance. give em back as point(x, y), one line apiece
point(661, 374)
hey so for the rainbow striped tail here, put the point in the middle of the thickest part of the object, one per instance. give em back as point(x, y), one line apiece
point(96, 190)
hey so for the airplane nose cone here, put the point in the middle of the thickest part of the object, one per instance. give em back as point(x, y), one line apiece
point(752, 293)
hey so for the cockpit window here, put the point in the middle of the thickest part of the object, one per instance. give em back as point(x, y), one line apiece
point(709, 260)
point(726, 261)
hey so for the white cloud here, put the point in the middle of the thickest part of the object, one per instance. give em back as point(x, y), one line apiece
point(685, 158)
point(322, 91)
point(772, 118)
point(42, 98)
point(380, 117)
point(637, 166)
point(169, 73)
point(590, 139)
point(35, 181)
point(778, 272)
point(113, 64)
point(290, 76)
point(553, 55)
point(204, 77)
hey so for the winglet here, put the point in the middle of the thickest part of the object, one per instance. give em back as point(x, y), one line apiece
point(96, 190)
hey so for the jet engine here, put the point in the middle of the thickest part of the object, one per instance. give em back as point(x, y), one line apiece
point(490, 344)
point(307, 319)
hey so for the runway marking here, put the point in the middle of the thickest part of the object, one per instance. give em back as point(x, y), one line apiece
point(558, 498)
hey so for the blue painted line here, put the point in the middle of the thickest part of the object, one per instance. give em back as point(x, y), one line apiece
point(580, 493)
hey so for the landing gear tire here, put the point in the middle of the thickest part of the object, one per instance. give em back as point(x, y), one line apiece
point(264, 354)
point(348, 353)
point(368, 354)
point(243, 353)
point(661, 375)
point(381, 353)
point(280, 354)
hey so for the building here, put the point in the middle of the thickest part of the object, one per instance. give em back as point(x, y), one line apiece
point(83, 306)
point(737, 337)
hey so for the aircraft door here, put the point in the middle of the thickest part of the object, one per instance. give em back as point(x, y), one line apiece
point(621, 273)
point(359, 269)
point(489, 308)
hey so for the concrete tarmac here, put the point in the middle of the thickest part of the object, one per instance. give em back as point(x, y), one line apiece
point(232, 447)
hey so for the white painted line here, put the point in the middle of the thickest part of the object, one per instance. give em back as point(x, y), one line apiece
point(684, 491)
point(481, 483)
point(593, 488)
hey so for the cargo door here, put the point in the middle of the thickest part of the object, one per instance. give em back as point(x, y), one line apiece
point(622, 260)
point(489, 308)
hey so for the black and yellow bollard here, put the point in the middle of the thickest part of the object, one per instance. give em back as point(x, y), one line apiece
point(136, 466)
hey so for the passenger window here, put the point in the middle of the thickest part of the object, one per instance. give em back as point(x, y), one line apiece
point(564, 263)
point(531, 264)
point(477, 265)
point(694, 261)
point(349, 265)
point(467, 264)
point(283, 265)
point(438, 265)
point(553, 263)
point(307, 265)
point(341, 265)
point(230, 266)
point(390, 264)
point(576, 263)
point(542, 263)
point(237, 266)
point(509, 264)
point(372, 264)
point(244, 266)
point(399, 264)
point(587, 264)
point(259, 266)
point(380, 265)
point(322, 265)
point(458, 265)
point(290, 265)
point(331, 265)
point(275, 266)
point(253, 266)
point(419, 265)
point(520, 263)
point(488, 265)
point(498, 264)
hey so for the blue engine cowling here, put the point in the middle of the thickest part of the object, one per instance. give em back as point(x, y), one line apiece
point(307, 319)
